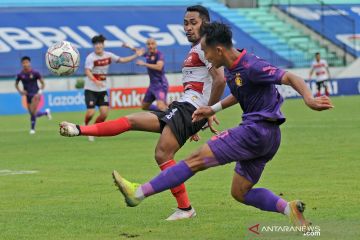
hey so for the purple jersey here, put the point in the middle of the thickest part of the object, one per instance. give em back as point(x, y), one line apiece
point(157, 78)
point(252, 81)
point(29, 81)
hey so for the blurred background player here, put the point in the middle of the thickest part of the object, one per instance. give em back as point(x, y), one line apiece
point(29, 79)
point(96, 68)
point(321, 69)
point(158, 83)
point(203, 85)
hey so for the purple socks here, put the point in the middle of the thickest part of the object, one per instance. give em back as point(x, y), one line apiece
point(265, 200)
point(33, 121)
point(167, 179)
point(40, 114)
point(33, 118)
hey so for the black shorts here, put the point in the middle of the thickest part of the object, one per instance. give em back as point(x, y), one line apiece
point(93, 99)
point(321, 84)
point(179, 118)
point(29, 98)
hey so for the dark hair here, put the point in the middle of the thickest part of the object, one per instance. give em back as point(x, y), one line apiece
point(203, 12)
point(98, 39)
point(217, 33)
point(25, 58)
point(317, 53)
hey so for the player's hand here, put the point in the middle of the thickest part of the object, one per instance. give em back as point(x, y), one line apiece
point(201, 113)
point(23, 93)
point(99, 84)
point(195, 137)
point(319, 103)
point(125, 45)
point(211, 121)
point(140, 51)
point(140, 63)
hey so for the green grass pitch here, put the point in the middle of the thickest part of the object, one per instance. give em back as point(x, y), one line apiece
point(72, 195)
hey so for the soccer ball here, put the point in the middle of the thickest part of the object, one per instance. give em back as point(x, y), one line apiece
point(62, 58)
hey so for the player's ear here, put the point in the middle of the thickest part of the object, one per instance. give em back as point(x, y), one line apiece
point(219, 50)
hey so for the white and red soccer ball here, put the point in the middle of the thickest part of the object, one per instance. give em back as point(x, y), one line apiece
point(62, 58)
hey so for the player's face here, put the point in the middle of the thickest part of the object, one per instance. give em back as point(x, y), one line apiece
point(213, 54)
point(151, 45)
point(99, 48)
point(192, 25)
point(26, 64)
point(317, 56)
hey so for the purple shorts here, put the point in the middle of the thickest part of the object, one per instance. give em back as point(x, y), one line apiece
point(251, 145)
point(153, 94)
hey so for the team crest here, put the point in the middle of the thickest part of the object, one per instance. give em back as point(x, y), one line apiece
point(194, 98)
point(31, 76)
point(152, 58)
point(238, 80)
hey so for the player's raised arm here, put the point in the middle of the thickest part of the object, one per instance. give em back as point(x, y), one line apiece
point(138, 52)
point(158, 66)
point(296, 82)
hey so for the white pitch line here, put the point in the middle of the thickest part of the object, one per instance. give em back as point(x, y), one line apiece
point(6, 172)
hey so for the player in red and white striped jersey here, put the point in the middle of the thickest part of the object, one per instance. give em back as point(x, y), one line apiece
point(97, 65)
point(321, 69)
point(203, 85)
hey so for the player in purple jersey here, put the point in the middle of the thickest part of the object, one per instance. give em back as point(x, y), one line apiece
point(158, 83)
point(252, 144)
point(29, 79)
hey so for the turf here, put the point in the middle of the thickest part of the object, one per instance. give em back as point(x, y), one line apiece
point(72, 195)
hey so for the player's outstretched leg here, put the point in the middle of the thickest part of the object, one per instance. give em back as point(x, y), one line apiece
point(138, 121)
point(170, 178)
point(242, 190)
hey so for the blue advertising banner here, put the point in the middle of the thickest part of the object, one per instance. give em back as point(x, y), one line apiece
point(336, 22)
point(30, 31)
point(66, 101)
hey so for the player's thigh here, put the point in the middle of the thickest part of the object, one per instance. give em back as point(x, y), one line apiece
point(167, 146)
point(240, 186)
point(34, 104)
point(144, 121)
point(202, 159)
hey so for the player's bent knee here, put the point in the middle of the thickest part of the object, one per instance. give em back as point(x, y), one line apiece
point(238, 195)
point(161, 155)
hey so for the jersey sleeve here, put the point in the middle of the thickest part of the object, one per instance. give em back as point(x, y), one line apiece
point(160, 57)
point(38, 76)
point(17, 78)
point(89, 63)
point(203, 59)
point(114, 57)
point(325, 63)
point(263, 72)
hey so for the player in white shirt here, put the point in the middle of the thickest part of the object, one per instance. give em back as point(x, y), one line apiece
point(203, 85)
point(97, 65)
point(321, 69)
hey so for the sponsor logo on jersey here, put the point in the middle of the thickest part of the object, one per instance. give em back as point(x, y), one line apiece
point(238, 80)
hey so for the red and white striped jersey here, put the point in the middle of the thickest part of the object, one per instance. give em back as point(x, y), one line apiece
point(99, 66)
point(320, 70)
point(196, 78)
